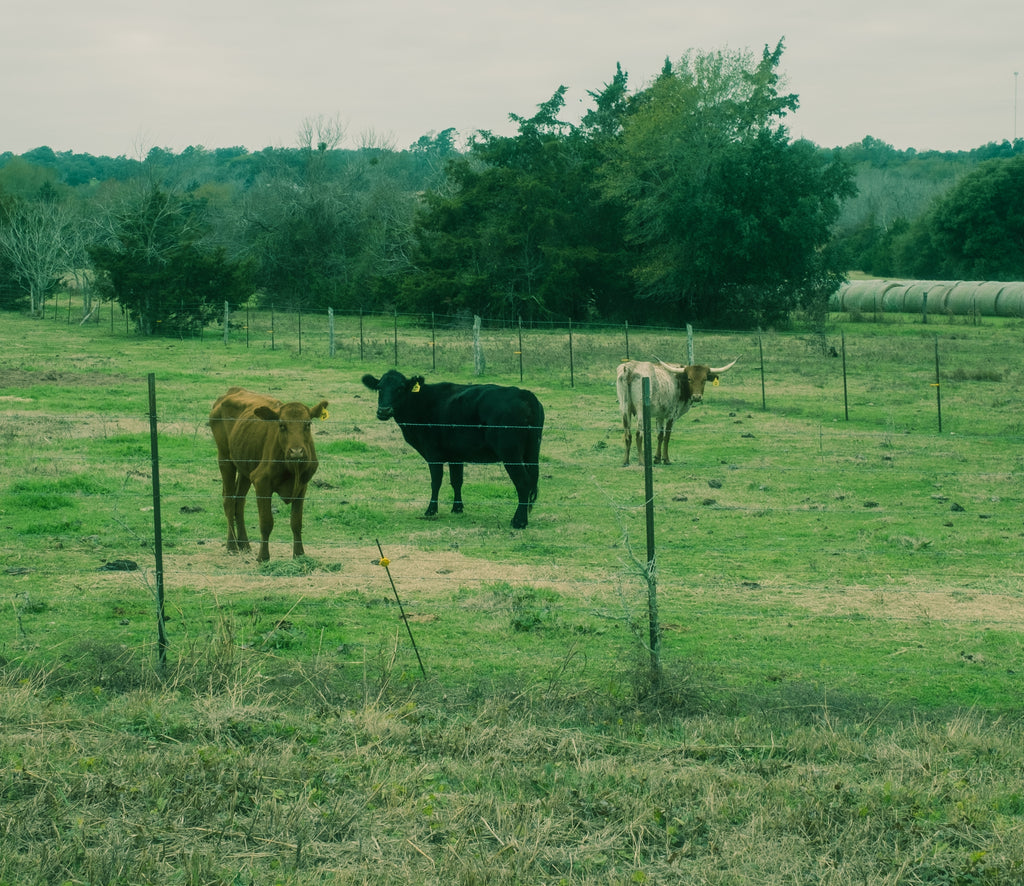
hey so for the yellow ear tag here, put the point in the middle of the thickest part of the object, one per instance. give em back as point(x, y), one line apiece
point(323, 415)
point(714, 384)
point(416, 388)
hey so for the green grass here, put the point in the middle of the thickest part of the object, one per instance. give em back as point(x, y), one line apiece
point(840, 602)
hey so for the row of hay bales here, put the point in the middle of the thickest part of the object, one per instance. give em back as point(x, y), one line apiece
point(969, 297)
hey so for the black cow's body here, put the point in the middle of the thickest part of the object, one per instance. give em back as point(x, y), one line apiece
point(454, 423)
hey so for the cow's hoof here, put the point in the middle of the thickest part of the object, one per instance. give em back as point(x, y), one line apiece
point(457, 508)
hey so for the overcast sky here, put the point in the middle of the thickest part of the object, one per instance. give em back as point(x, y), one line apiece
point(122, 76)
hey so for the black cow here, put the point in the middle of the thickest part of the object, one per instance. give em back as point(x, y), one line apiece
point(456, 424)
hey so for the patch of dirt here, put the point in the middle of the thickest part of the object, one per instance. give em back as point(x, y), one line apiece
point(900, 603)
point(419, 575)
point(425, 576)
point(26, 378)
point(18, 425)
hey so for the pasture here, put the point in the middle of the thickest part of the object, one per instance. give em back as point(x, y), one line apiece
point(839, 585)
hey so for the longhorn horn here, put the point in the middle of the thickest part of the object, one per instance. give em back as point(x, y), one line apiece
point(676, 367)
point(724, 368)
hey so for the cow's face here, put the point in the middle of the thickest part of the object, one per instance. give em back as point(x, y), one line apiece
point(294, 428)
point(392, 390)
point(695, 378)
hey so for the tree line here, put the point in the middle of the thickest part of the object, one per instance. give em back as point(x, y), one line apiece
point(686, 200)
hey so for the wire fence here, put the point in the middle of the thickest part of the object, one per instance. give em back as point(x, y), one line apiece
point(730, 468)
point(917, 378)
point(817, 462)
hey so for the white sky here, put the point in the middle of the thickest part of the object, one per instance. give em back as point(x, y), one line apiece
point(122, 76)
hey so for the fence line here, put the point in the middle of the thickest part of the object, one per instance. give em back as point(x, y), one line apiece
point(191, 485)
point(891, 385)
point(598, 493)
point(588, 352)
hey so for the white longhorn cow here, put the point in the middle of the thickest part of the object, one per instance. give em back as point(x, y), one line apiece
point(674, 389)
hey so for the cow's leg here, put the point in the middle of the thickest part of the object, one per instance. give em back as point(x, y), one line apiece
point(657, 446)
point(297, 503)
point(263, 503)
point(524, 491)
point(664, 447)
point(237, 518)
point(436, 476)
point(455, 476)
point(627, 433)
point(640, 446)
point(661, 444)
point(227, 491)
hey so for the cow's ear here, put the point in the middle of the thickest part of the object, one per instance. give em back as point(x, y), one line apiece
point(266, 413)
point(371, 382)
point(319, 411)
point(415, 382)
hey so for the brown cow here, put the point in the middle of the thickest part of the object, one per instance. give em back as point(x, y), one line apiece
point(674, 389)
point(267, 444)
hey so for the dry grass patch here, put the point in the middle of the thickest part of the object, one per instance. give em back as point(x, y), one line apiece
point(175, 783)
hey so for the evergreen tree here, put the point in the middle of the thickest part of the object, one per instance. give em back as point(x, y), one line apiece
point(517, 230)
point(157, 261)
point(730, 219)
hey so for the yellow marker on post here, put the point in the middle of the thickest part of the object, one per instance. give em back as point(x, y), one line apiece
point(384, 561)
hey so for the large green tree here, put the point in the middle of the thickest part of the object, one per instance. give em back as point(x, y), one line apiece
point(730, 217)
point(156, 258)
point(975, 231)
point(517, 229)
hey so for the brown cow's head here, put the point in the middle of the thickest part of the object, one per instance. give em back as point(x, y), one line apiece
point(294, 428)
point(692, 379)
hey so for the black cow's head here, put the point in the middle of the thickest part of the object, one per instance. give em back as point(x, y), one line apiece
point(392, 388)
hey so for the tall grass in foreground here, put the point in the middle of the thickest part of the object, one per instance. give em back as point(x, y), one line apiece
point(223, 773)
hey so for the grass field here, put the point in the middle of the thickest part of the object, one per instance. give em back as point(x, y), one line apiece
point(839, 587)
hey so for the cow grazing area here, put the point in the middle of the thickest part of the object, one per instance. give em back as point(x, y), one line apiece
point(841, 600)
